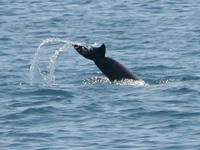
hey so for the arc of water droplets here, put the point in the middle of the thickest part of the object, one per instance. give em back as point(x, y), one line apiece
point(35, 69)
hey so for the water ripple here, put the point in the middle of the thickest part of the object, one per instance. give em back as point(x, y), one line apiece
point(82, 109)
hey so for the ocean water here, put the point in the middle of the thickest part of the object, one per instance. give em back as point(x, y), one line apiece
point(53, 98)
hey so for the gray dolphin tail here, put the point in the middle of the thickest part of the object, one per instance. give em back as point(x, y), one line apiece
point(91, 52)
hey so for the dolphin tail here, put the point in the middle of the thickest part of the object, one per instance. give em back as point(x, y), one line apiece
point(91, 52)
point(100, 52)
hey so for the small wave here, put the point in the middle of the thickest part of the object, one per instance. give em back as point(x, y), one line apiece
point(43, 92)
point(188, 78)
point(94, 108)
point(43, 110)
point(184, 90)
point(52, 92)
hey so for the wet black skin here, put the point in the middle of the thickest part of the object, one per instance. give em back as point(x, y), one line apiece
point(110, 68)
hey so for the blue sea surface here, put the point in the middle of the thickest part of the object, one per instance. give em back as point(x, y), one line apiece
point(51, 98)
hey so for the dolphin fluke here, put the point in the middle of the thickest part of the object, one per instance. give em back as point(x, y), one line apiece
point(84, 51)
point(91, 52)
point(100, 52)
point(111, 68)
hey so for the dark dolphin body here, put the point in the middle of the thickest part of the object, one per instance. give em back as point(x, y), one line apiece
point(111, 68)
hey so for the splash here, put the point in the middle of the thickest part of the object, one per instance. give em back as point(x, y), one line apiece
point(165, 81)
point(130, 82)
point(96, 79)
point(99, 79)
point(41, 70)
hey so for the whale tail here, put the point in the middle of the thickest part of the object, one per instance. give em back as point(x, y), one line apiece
point(91, 52)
